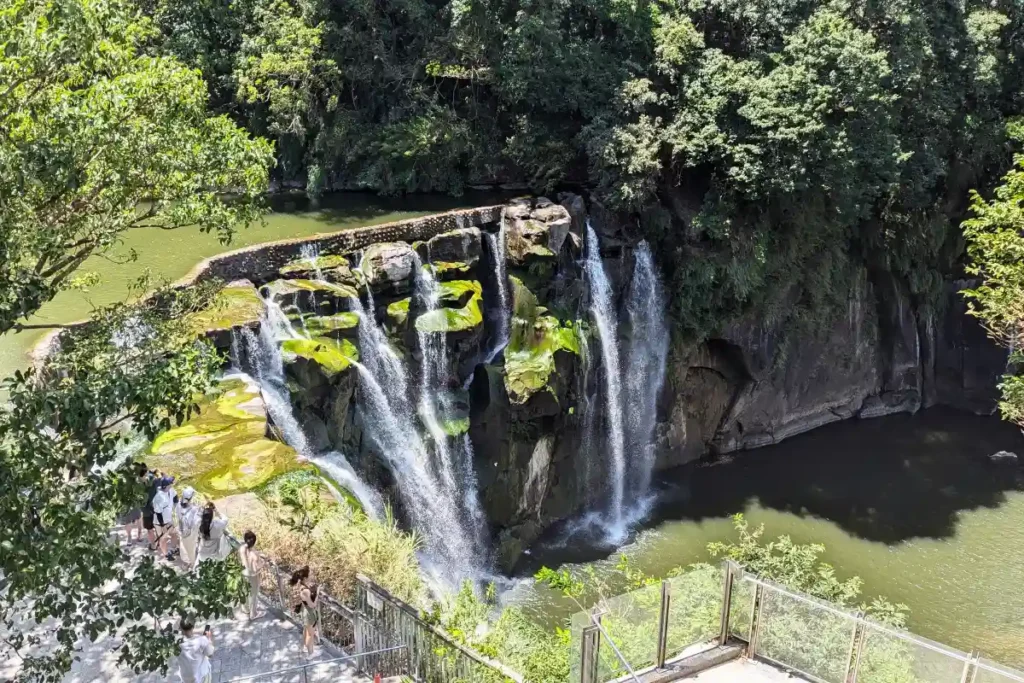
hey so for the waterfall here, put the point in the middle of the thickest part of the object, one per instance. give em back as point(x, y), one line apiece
point(310, 253)
point(264, 356)
point(499, 251)
point(602, 309)
point(645, 369)
point(433, 482)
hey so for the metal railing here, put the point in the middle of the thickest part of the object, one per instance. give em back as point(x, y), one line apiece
point(647, 628)
point(302, 672)
point(380, 624)
point(433, 655)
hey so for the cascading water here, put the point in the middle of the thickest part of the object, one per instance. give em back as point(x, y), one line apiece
point(310, 253)
point(264, 357)
point(645, 370)
point(433, 485)
point(602, 309)
point(498, 247)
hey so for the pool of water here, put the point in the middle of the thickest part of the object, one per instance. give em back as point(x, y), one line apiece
point(911, 504)
point(169, 255)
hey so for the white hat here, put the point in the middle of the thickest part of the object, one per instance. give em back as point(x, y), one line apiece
point(188, 493)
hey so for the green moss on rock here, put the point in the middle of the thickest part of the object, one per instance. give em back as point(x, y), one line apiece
point(460, 310)
point(234, 306)
point(398, 312)
point(535, 340)
point(321, 262)
point(223, 451)
point(337, 325)
point(332, 355)
point(443, 270)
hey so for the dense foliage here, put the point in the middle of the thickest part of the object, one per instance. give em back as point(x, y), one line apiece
point(762, 142)
point(630, 599)
point(995, 237)
point(100, 136)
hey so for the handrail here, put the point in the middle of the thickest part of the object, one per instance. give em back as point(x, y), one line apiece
point(413, 613)
point(309, 664)
point(597, 622)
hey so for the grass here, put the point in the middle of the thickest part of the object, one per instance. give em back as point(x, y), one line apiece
point(337, 541)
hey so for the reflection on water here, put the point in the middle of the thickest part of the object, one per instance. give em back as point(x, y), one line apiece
point(169, 255)
point(912, 504)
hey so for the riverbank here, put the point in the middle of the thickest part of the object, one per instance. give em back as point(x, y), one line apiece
point(911, 504)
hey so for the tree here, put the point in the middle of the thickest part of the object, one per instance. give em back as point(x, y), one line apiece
point(995, 243)
point(98, 136)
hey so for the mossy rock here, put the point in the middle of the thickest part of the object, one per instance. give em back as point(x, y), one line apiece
point(310, 478)
point(332, 355)
point(223, 450)
point(330, 268)
point(534, 341)
point(320, 262)
point(314, 296)
point(236, 305)
point(337, 326)
point(398, 312)
point(461, 308)
point(448, 270)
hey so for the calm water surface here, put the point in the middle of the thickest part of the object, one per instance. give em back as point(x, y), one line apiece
point(909, 503)
point(171, 254)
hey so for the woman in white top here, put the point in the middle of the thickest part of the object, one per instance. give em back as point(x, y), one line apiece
point(188, 526)
point(251, 570)
point(163, 513)
point(212, 540)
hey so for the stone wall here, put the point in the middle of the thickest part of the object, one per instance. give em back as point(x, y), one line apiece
point(262, 261)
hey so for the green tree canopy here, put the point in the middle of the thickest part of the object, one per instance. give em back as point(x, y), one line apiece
point(995, 237)
point(99, 135)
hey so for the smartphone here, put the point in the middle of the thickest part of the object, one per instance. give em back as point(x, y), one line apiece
point(208, 629)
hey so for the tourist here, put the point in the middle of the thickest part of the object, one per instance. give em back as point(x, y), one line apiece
point(132, 520)
point(194, 660)
point(212, 540)
point(188, 526)
point(151, 481)
point(163, 513)
point(307, 607)
point(251, 569)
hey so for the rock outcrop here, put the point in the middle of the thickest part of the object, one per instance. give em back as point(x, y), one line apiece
point(530, 408)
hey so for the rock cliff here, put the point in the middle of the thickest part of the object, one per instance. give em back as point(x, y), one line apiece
point(524, 369)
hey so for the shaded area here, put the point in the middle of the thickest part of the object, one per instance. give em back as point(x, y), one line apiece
point(357, 209)
point(886, 480)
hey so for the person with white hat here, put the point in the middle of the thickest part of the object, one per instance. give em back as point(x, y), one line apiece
point(188, 526)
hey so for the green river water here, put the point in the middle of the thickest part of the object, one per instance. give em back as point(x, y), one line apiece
point(172, 254)
point(910, 504)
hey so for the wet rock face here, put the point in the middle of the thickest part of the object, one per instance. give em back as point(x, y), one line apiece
point(532, 412)
point(456, 246)
point(237, 306)
point(389, 267)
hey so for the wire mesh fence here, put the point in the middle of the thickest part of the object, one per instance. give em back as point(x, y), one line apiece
point(809, 637)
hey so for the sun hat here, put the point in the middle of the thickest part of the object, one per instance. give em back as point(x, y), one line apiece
point(188, 493)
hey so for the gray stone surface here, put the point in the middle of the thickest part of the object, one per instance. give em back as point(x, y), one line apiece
point(243, 648)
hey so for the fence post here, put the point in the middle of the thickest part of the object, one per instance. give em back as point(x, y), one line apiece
point(755, 620)
point(856, 643)
point(970, 667)
point(666, 599)
point(280, 588)
point(591, 641)
point(723, 634)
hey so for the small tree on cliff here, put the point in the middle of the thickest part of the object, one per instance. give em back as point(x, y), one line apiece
point(98, 137)
point(995, 242)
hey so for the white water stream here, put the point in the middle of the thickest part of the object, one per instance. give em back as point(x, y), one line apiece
point(603, 311)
